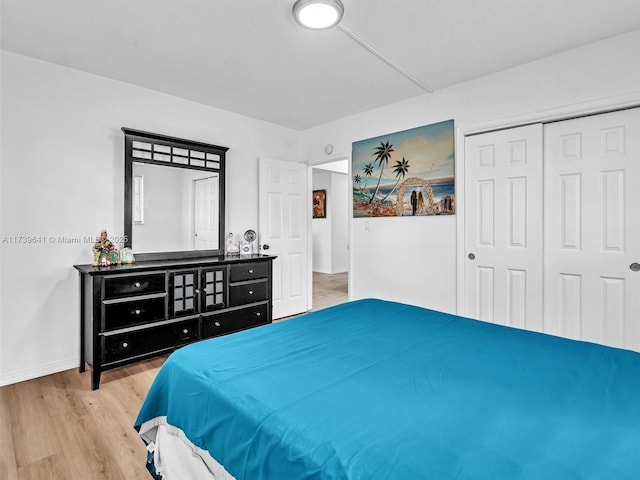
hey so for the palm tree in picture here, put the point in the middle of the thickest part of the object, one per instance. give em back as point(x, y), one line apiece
point(357, 180)
point(400, 169)
point(368, 171)
point(382, 154)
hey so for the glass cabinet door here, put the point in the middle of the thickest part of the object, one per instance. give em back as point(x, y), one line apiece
point(213, 289)
point(183, 293)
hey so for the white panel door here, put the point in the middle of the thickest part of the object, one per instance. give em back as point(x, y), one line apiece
point(503, 227)
point(205, 210)
point(283, 215)
point(592, 225)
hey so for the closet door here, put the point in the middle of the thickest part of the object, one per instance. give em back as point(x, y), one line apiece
point(592, 228)
point(503, 227)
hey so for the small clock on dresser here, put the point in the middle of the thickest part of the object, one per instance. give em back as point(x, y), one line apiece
point(247, 247)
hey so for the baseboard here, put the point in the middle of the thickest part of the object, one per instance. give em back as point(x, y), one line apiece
point(8, 378)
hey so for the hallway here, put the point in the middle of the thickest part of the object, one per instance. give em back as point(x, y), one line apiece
point(329, 289)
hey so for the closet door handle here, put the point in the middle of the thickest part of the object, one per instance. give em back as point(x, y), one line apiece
point(635, 267)
point(471, 256)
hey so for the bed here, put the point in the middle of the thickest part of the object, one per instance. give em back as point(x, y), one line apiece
point(373, 389)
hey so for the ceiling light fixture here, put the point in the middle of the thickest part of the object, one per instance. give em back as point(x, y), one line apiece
point(318, 14)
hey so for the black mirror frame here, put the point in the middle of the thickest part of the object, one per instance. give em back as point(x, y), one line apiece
point(131, 135)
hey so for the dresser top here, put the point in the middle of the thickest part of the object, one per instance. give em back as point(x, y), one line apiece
point(141, 266)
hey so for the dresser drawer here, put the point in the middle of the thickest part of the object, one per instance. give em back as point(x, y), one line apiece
point(139, 342)
point(248, 292)
point(130, 285)
point(134, 312)
point(220, 324)
point(248, 271)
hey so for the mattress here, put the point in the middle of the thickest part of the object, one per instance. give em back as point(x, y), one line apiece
point(373, 389)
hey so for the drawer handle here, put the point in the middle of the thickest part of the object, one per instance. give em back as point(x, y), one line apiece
point(125, 344)
point(137, 284)
point(251, 270)
point(137, 312)
point(258, 314)
point(217, 324)
point(250, 292)
point(185, 330)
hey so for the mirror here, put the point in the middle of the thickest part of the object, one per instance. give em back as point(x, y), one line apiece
point(174, 209)
point(174, 196)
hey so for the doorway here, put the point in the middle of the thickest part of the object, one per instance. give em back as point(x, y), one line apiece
point(329, 235)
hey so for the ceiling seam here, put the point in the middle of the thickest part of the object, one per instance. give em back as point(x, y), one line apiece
point(371, 49)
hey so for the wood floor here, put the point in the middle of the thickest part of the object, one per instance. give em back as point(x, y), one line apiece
point(56, 428)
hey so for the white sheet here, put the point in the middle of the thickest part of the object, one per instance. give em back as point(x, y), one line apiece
point(175, 457)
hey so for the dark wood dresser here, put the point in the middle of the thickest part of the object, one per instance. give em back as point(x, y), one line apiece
point(133, 312)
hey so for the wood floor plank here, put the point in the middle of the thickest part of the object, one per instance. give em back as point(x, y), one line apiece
point(114, 412)
point(8, 465)
point(64, 389)
point(48, 468)
point(33, 430)
point(88, 453)
point(84, 452)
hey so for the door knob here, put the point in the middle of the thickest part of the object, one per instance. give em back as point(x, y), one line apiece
point(471, 256)
point(635, 267)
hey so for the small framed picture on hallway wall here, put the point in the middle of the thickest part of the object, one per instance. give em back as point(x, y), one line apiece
point(319, 204)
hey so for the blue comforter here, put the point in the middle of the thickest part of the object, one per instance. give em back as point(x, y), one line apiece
point(380, 390)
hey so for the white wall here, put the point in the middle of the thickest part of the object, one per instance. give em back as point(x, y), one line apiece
point(321, 227)
point(339, 201)
point(62, 176)
point(414, 259)
point(330, 235)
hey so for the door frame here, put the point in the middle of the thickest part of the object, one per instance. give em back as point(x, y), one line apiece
point(563, 112)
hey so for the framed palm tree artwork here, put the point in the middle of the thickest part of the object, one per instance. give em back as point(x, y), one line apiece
point(407, 173)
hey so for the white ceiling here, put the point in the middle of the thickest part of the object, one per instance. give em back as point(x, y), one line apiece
point(249, 57)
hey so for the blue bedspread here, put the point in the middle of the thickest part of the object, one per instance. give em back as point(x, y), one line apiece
point(381, 390)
